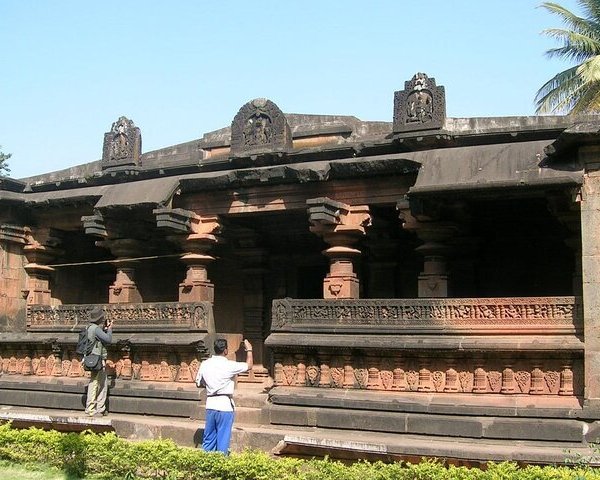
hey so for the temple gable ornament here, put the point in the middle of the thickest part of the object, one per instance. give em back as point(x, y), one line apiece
point(122, 145)
point(420, 106)
point(260, 126)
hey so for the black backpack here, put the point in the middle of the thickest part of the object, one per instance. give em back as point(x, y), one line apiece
point(84, 345)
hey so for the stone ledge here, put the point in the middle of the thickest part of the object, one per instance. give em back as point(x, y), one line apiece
point(127, 388)
point(547, 406)
point(460, 426)
point(318, 442)
point(496, 343)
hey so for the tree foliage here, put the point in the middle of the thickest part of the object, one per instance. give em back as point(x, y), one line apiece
point(4, 161)
point(576, 89)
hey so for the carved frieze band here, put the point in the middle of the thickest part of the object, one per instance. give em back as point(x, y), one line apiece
point(146, 317)
point(60, 362)
point(449, 315)
point(533, 377)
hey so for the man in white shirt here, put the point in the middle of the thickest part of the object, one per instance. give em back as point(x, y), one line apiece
point(217, 374)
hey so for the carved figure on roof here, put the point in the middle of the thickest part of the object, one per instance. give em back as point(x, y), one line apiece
point(122, 145)
point(420, 106)
point(259, 126)
point(420, 102)
point(257, 130)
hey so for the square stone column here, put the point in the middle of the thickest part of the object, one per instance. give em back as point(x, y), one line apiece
point(590, 266)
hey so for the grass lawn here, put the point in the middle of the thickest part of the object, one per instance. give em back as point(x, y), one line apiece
point(17, 472)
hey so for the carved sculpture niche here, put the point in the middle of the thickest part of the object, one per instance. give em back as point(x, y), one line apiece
point(341, 226)
point(260, 126)
point(420, 106)
point(122, 145)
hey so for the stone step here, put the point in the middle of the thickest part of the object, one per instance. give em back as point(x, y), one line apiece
point(133, 397)
point(474, 426)
point(306, 441)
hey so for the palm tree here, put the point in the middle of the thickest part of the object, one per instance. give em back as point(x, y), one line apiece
point(576, 89)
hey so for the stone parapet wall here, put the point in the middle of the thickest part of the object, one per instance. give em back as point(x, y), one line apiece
point(526, 346)
point(129, 317)
point(539, 315)
point(153, 342)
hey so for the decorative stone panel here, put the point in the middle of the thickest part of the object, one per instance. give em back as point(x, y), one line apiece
point(420, 106)
point(122, 145)
point(130, 317)
point(433, 374)
point(152, 364)
point(513, 315)
point(260, 126)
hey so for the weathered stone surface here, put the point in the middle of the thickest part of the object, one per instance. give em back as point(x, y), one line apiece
point(420, 106)
point(260, 126)
point(122, 145)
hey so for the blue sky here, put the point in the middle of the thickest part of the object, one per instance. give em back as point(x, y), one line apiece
point(180, 69)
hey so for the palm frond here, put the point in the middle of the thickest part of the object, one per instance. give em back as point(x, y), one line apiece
point(554, 94)
point(586, 101)
point(576, 89)
point(591, 8)
point(576, 46)
point(572, 21)
point(589, 71)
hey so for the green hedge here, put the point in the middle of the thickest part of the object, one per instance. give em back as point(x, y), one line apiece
point(107, 456)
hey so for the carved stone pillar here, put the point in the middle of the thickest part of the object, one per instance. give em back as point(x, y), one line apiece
point(41, 249)
point(124, 289)
point(196, 287)
point(433, 280)
point(196, 235)
point(341, 226)
point(12, 278)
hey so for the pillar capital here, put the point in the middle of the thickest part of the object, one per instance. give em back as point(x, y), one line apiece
point(337, 223)
point(13, 234)
point(196, 235)
point(436, 235)
point(341, 226)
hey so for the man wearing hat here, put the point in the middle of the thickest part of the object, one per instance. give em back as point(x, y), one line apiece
point(100, 336)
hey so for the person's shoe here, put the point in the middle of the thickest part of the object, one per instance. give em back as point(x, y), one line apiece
point(90, 414)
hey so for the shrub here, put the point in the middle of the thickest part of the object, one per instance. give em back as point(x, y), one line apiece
point(107, 456)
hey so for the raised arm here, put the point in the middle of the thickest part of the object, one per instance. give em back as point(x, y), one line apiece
point(249, 356)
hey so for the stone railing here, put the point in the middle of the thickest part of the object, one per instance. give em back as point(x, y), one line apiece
point(127, 317)
point(511, 315)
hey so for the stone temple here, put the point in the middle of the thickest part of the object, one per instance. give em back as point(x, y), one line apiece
point(426, 277)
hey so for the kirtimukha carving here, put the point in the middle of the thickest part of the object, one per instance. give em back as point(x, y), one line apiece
point(122, 145)
point(260, 125)
point(420, 106)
